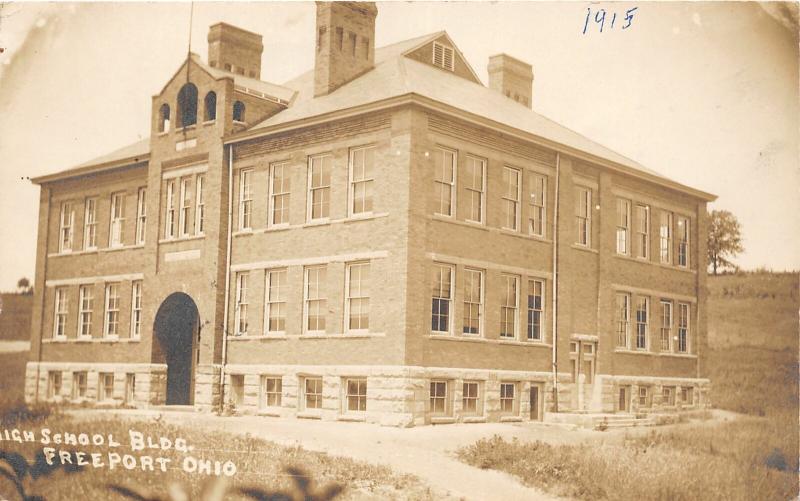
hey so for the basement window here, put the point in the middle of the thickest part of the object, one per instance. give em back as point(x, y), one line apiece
point(443, 56)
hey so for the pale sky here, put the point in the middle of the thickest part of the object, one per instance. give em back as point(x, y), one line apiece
point(705, 93)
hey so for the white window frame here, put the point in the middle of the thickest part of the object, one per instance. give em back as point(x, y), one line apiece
point(685, 327)
point(514, 399)
point(199, 205)
point(515, 280)
point(130, 388)
point(359, 397)
point(443, 56)
point(141, 215)
point(55, 384)
point(474, 191)
point(642, 231)
point(508, 201)
point(170, 226)
point(185, 207)
point(438, 267)
point(60, 313)
point(532, 308)
point(277, 392)
point(279, 301)
point(363, 293)
point(665, 237)
point(622, 318)
point(316, 394)
point(368, 181)
point(470, 300)
point(111, 311)
point(434, 395)
point(85, 313)
point(136, 309)
point(102, 387)
point(583, 194)
point(246, 199)
point(319, 297)
point(322, 189)
point(642, 323)
point(666, 325)
point(116, 230)
point(537, 218)
point(466, 396)
point(90, 224)
point(66, 227)
point(285, 193)
point(623, 226)
point(240, 313)
point(441, 183)
point(684, 238)
point(80, 384)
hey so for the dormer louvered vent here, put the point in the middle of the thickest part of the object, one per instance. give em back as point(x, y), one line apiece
point(443, 56)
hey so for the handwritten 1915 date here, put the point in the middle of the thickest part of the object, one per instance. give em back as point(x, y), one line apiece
point(607, 20)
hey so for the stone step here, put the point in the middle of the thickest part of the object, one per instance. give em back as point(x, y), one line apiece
point(173, 408)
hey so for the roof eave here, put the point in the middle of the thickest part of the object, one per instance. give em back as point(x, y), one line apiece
point(88, 170)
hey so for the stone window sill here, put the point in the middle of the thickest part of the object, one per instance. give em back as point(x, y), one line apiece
point(510, 419)
point(585, 248)
point(309, 415)
point(443, 420)
point(181, 239)
point(474, 419)
point(351, 418)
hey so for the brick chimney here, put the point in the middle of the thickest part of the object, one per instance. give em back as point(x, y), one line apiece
point(512, 78)
point(234, 49)
point(345, 45)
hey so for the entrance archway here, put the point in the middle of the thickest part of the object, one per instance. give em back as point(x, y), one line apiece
point(176, 328)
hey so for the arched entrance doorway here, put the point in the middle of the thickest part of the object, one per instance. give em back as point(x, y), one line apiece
point(176, 329)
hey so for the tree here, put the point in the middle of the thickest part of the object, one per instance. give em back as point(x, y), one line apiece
point(724, 240)
point(24, 285)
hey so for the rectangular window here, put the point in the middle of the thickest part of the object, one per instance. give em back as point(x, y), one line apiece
point(357, 296)
point(442, 298)
point(443, 56)
point(583, 215)
point(53, 384)
point(200, 206)
point(665, 237)
point(687, 395)
point(438, 398)
point(511, 196)
point(79, 384)
point(508, 307)
point(668, 395)
point(136, 309)
point(186, 204)
point(245, 199)
point(66, 222)
point(537, 219)
point(316, 302)
point(169, 226)
point(276, 301)
point(271, 391)
point(312, 390)
point(60, 321)
point(470, 398)
point(280, 188)
point(666, 325)
point(623, 315)
point(473, 302)
point(642, 322)
point(642, 231)
point(90, 224)
point(319, 187)
point(130, 388)
point(85, 306)
point(237, 389)
point(117, 220)
point(475, 186)
point(356, 396)
point(644, 396)
point(623, 225)
point(445, 181)
point(683, 241)
point(105, 386)
point(241, 304)
point(362, 169)
point(111, 324)
point(141, 215)
point(508, 398)
point(683, 328)
point(535, 310)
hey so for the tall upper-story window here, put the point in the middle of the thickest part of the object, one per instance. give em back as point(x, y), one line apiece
point(623, 225)
point(141, 215)
point(357, 292)
point(210, 107)
point(473, 301)
point(583, 215)
point(642, 231)
point(475, 188)
point(275, 314)
point(245, 199)
point(441, 298)
point(537, 219)
point(683, 327)
point(509, 307)
point(535, 310)
point(241, 304)
point(85, 307)
point(60, 308)
point(238, 111)
point(445, 181)
point(169, 223)
point(316, 302)
point(511, 196)
point(136, 309)
point(666, 325)
point(622, 316)
point(187, 105)
point(642, 321)
point(90, 224)
point(362, 170)
point(186, 205)
point(111, 324)
point(683, 241)
point(163, 118)
point(443, 56)
point(66, 224)
point(665, 237)
point(280, 189)
point(319, 187)
point(117, 220)
point(200, 205)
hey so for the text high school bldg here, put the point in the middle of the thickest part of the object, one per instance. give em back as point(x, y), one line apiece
point(383, 238)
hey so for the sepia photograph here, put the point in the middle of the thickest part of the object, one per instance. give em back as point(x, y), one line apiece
point(418, 250)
